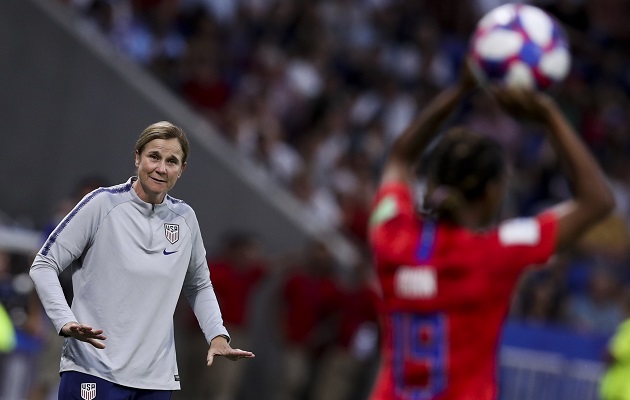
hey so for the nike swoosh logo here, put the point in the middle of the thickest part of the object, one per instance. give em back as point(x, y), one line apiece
point(166, 253)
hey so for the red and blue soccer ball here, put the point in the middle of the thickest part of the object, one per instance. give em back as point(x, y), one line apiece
point(520, 45)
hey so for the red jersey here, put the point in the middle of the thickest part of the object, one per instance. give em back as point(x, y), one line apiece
point(234, 289)
point(310, 301)
point(446, 291)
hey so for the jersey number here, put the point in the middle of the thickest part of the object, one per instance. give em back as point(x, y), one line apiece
point(420, 355)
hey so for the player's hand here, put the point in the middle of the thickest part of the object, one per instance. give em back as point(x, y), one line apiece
point(524, 102)
point(219, 346)
point(84, 333)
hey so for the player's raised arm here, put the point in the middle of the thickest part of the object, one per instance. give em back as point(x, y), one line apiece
point(592, 199)
point(409, 146)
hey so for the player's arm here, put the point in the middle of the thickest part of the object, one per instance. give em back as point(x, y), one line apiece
point(592, 199)
point(200, 294)
point(409, 146)
point(198, 290)
point(64, 245)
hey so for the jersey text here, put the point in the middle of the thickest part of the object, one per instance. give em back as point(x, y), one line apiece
point(416, 282)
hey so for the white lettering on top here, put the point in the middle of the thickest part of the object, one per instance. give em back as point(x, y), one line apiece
point(520, 231)
point(416, 282)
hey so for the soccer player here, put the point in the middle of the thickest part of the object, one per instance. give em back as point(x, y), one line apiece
point(133, 249)
point(447, 275)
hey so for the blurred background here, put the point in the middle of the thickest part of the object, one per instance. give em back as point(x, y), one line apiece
point(290, 107)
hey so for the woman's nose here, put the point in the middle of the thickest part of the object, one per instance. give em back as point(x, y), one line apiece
point(161, 167)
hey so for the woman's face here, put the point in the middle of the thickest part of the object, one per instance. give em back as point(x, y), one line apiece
point(159, 166)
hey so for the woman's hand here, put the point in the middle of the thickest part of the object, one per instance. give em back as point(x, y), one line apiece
point(84, 333)
point(524, 103)
point(219, 346)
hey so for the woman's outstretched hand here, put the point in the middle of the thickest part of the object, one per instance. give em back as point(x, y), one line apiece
point(219, 346)
point(524, 102)
point(84, 333)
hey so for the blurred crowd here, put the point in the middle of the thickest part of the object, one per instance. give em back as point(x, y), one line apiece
point(314, 92)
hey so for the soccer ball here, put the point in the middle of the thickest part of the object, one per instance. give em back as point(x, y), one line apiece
point(520, 45)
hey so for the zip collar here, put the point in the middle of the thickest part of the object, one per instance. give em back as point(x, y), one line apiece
point(146, 208)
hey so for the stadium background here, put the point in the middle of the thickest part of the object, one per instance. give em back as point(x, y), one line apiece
point(290, 107)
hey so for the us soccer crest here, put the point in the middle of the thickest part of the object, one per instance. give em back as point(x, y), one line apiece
point(172, 232)
point(88, 391)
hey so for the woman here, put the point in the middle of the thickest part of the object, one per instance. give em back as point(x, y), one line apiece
point(447, 276)
point(133, 249)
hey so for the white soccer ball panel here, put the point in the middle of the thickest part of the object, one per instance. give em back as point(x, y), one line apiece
point(499, 44)
point(556, 63)
point(501, 15)
point(520, 74)
point(537, 24)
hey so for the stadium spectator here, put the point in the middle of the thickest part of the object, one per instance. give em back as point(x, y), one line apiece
point(310, 296)
point(203, 83)
point(154, 37)
point(442, 270)
point(347, 367)
point(543, 295)
point(137, 249)
point(319, 202)
point(597, 308)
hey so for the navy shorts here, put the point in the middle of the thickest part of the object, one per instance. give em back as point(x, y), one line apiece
point(80, 386)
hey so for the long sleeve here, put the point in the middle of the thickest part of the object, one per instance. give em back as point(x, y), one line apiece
point(199, 291)
point(64, 245)
point(50, 293)
point(203, 300)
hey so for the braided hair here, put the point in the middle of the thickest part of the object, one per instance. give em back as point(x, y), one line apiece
point(460, 168)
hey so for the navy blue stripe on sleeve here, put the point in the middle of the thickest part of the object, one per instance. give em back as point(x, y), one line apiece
point(62, 225)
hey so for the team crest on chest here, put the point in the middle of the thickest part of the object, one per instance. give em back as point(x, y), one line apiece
point(88, 391)
point(171, 231)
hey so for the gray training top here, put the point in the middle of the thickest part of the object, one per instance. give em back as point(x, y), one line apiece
point(131, 260)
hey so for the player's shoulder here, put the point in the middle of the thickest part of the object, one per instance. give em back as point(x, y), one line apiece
point(508, 233)
point(179, 206)
point(524, 231)
point(391, 200)
point(106, 196)
point(178, 203)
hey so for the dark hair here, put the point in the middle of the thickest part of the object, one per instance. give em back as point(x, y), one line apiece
point(163, 130)
point(460, 168)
